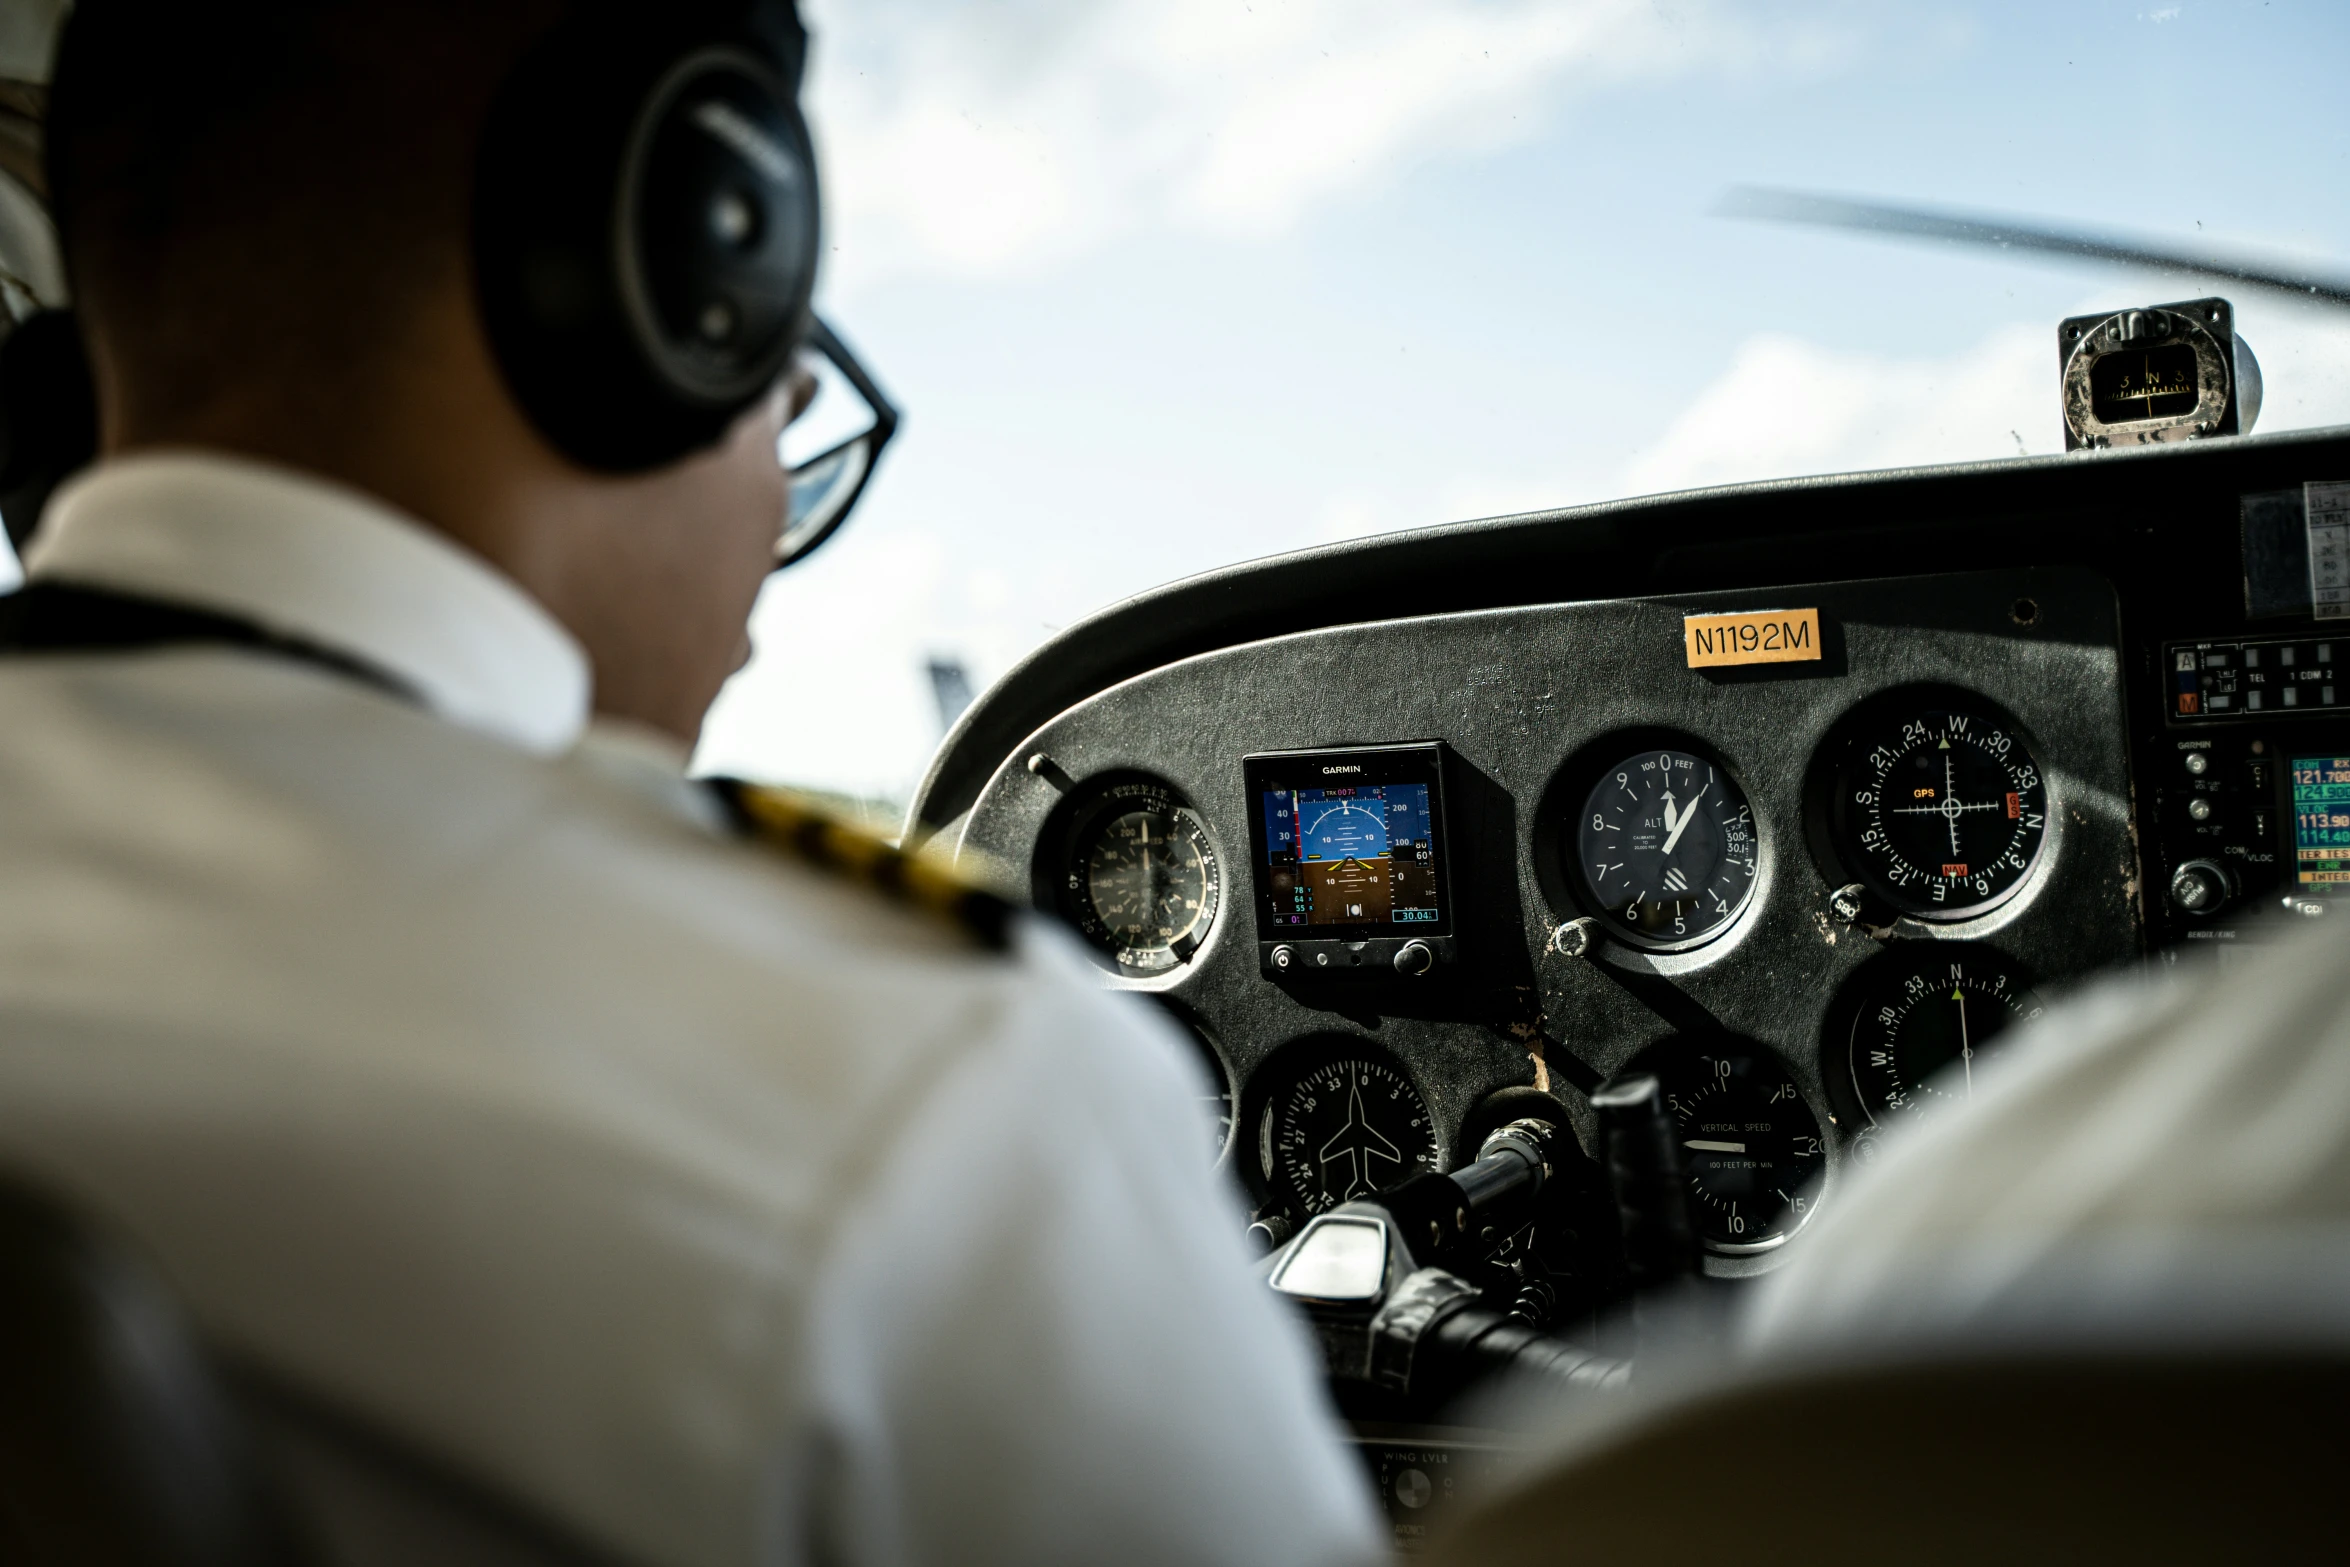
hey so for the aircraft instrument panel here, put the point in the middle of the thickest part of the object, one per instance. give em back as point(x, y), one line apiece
point(2027, 724)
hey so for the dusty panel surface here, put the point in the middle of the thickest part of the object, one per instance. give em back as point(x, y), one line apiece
point(1520, 694)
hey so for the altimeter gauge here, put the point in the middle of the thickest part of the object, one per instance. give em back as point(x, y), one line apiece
point(1139, 876)
point(1925, 1023)
point(1666, 849)
point(1939, 808)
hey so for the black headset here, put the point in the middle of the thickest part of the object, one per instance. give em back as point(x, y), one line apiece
point(646, 224)
point(646, 228)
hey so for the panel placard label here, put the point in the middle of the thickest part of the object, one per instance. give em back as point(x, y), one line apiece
point(1760, 636)
point(2326, 514)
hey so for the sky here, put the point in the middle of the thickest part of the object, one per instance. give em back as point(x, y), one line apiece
point(1161, 285)
point(1166, 284)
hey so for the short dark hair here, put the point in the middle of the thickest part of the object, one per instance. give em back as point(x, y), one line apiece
point(266, 187)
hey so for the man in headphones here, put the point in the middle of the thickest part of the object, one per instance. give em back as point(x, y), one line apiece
point(461, 1069)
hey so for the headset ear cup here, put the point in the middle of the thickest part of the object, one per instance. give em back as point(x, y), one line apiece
point(645, 239)
point(720, 228)
point(48, 416)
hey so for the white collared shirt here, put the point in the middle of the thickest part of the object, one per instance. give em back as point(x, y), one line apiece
point(2167, 1150)
point(716, 1209)
point(329, 566)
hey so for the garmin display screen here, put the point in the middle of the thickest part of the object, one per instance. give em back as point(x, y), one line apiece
point(1349, 844)
point(2321, 821)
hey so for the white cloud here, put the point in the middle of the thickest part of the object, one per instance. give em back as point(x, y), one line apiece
point(969, 138)
point(2304, 353)
point(1786, 406)
point(838, 699)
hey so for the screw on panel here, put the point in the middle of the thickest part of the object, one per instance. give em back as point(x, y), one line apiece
point(1575, 938)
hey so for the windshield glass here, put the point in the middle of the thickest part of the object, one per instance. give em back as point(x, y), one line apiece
point(1162, 287)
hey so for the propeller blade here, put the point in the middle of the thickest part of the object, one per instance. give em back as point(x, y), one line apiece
point(1958, 228)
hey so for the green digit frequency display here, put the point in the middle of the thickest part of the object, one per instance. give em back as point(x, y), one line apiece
point(2321, 820)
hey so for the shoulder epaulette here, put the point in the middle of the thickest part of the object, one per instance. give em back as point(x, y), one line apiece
point(795, 826)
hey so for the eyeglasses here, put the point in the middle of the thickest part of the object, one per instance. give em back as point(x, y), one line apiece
point(831, 449)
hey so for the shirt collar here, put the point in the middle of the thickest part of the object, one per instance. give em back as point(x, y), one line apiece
point(314, 561)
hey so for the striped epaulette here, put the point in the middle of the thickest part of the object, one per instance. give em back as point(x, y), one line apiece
point(792, 825)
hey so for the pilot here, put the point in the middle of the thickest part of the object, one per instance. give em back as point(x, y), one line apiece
point(2162, 1153)
point(365, 954)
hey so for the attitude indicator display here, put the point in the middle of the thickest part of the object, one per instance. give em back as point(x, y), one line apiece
point(1349, 850)
point(1350, 855)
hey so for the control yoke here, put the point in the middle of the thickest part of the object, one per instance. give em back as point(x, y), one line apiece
point(1370, 1276)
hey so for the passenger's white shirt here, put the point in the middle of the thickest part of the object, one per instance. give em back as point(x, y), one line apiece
point(455, 1066)
point(2152, 1139)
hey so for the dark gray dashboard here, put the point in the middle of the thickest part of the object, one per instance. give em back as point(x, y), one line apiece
point(2090, 602)
point(1516, 694)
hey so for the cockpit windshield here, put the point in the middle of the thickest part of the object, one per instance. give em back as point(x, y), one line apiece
point(1166, 288)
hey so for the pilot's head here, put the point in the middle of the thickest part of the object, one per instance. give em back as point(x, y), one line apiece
point(531, 270)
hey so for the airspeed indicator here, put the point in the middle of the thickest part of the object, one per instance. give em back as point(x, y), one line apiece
point(1139, 877)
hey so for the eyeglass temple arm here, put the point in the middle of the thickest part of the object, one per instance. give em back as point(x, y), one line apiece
point(825, 341)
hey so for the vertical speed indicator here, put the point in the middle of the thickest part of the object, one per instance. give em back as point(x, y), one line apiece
point(1941, 810)
point(1750, 1143)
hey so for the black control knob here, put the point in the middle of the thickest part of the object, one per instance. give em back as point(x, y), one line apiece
point(1414, 957)
point(2200, 886)
point(1269, 1234)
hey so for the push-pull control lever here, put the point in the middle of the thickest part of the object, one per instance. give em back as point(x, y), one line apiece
point(1367, 1273)
point(1643, 1155)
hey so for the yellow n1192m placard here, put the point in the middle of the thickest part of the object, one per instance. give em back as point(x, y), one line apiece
point(1761, 636)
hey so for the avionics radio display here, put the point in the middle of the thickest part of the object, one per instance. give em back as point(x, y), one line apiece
point(2321, 821)
point(1349, 844)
